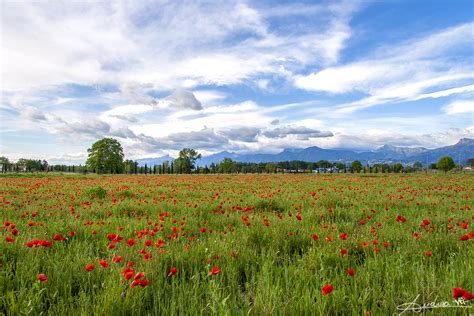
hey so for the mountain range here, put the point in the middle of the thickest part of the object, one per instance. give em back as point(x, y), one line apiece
point(460, 152)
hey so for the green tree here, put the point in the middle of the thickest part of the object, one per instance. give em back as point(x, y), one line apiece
point(470, 162)
point(227, 166)
point(398, 167)
point(417, 165)
point(5, 163)
point(129, 166)
point(445, 163)
point(356, 166)
point(270, 167)
point(106, 156)
point(186, 160)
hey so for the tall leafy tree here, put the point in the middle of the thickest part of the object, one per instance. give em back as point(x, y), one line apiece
point(227, 166)
point(106, 156)
point(445, 163)
point(186, 161)
point(356, 166)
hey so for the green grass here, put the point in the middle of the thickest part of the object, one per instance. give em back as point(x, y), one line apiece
point(268, 260)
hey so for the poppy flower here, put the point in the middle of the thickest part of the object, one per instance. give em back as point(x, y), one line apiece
point(128, 273)
point(173, 271)
point(131, 242)
point(343, 252)
point(144, 282)
point(351, 272)
point(139, 275)
point(328, 288)
point(117, 259)
point(458, 292)
point(9, 239)
point(42, 277)
point(104, 263)
point(467, 296)
point(428, 253)
point(58, 237)
point(214, 271)
point(89, 267)
point(45, 243)
point(315, 237)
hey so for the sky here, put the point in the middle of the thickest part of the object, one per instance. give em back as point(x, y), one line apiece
point(239, 76)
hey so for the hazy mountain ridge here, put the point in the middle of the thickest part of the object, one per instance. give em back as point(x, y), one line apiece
point(460, 152)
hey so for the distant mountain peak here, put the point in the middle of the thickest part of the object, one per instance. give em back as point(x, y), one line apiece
point(466, 141)
point(463, 150)
point(292, 150)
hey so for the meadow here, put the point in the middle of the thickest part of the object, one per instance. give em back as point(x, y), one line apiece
point(236, 244)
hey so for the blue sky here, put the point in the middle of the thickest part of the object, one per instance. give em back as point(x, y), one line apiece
point(234, 75)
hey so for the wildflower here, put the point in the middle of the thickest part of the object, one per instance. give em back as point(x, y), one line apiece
point(42, 277)
point(328, 288)
point(214, 271)
point(104, 263)
point(173, 271)
point(89, 267)
point(458, 292)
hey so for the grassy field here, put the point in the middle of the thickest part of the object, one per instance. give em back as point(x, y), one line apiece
point(239, 244)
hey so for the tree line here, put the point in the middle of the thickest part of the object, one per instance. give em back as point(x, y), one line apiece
point(106, 157)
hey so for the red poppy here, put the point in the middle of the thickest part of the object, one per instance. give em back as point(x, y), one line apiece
point(104, 263)
point(467, 296)
point(173, 271)
point(45, 243)
point(58, 237)
point(9, 239)
point(343, 252)
point(144, 282)
point(128, 275)
point(458, 292)
point(328, 288)
point(139, 275)
point(117, 259)
point(343, 236)
point(131, 242)
point(351, 272)
point(214, 271)
point(315, 237)
point(89, 267)
point(428, 253)
point(42, 277)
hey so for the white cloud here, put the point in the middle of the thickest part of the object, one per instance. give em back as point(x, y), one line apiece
point(460, 106)
point(401, 72)
point(166, 44)
point(183, 99)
